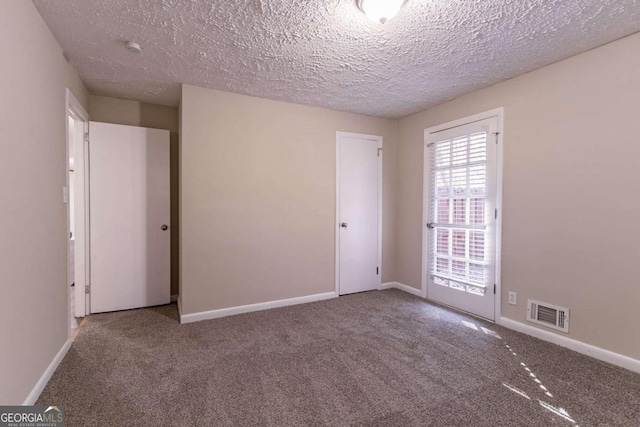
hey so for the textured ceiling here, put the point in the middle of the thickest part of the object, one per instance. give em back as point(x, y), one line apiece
point(325, 52)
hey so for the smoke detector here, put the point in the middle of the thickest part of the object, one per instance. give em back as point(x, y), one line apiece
point(133, 47)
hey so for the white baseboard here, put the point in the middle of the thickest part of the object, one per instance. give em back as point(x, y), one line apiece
point(46, 376)
point(579, 346)
point(408, 289)
point(223, 312)
point(174, 298)
point(563, 341)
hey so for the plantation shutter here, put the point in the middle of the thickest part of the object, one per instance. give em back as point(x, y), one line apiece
point(458, 214)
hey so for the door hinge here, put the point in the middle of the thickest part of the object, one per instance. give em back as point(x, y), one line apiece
point(86, 137)
point(497, 134)
point(496, 213)
point(87, 289)
point(377, 270)
point(379, 150)
point(494, 288)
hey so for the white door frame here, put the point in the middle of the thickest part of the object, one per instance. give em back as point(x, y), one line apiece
point(379, 140)
point(76, 111)
point(499, 114)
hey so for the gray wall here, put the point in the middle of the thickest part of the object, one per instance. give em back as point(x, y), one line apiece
point(34, 314)
point(571, 159)
point(258, 198)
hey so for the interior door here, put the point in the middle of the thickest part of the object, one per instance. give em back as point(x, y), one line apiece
point(461, 168)
point(129, 217)
point(359, 195)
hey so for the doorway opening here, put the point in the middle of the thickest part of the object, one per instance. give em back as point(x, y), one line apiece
point(76, 196)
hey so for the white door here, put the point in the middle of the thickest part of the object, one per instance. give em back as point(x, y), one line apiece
point(461, 229)
point(129, 217)
point(359, 160)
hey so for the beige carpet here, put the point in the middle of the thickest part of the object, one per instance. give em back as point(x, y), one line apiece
point(382, 358)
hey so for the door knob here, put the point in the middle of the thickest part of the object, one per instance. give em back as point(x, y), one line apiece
point(344, 225)
point(164, 227)
point(430, 225)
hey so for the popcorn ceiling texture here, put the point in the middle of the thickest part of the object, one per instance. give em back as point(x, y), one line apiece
point(325, 53)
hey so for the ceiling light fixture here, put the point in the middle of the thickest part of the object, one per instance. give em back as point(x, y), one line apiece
point(380, 10)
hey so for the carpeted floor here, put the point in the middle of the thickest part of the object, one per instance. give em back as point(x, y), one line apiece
point(381, 358)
